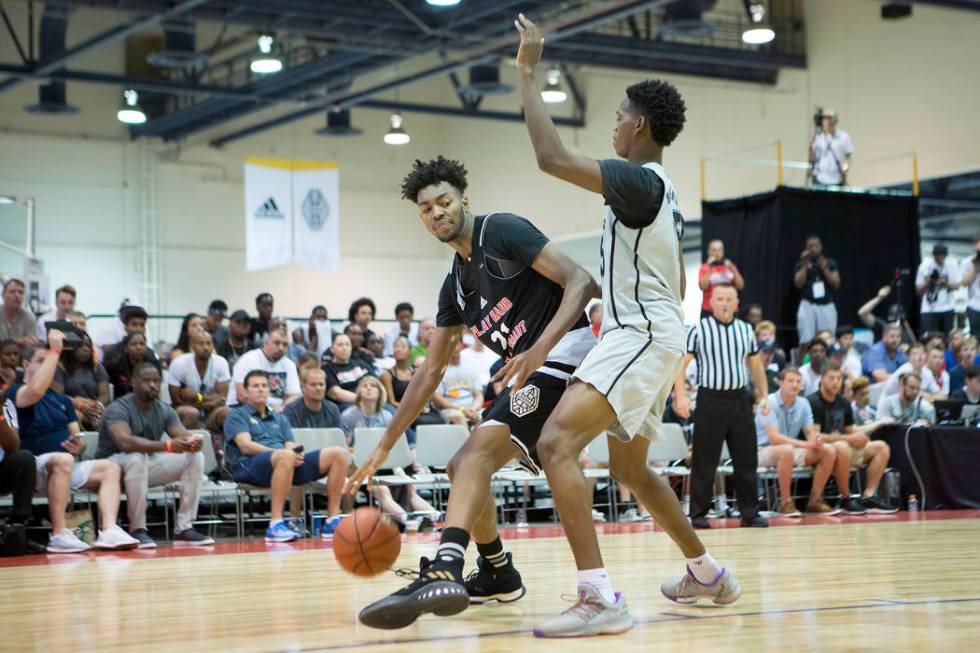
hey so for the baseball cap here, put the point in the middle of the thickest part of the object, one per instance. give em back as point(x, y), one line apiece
point(240, 314)
point(835, 350)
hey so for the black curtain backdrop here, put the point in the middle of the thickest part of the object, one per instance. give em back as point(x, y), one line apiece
point(870, 236)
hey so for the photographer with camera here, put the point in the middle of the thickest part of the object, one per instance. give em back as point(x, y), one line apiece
point(830, 150)
point(970, 271)
point(817, 277)
point(934, 282)
point(714, 271)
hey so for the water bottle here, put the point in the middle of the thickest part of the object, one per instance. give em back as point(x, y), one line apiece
point(913, 503)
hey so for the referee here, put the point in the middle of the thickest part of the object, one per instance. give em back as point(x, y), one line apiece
point(723, 345)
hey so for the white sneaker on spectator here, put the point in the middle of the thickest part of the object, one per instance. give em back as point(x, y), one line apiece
point(598, 517)
point(66, 542)
point(631, 515)
point(115, 539)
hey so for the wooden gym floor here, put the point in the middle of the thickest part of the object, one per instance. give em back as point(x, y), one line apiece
point(858, 584)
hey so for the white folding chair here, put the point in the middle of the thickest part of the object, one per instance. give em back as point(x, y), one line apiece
point(400, 457)
point(598, 451)
point(313, 439)
point(671, 446)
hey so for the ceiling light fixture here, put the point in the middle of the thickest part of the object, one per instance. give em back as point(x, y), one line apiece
point(130, 112)
point(266, 63)
point(758, 32)
point(397, 135)
point(443, 3)
point(552, 93)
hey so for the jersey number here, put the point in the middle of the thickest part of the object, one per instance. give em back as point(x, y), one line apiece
point(500, 336)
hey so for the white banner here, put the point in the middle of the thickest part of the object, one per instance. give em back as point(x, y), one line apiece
point(316, 212)
point(291, 213)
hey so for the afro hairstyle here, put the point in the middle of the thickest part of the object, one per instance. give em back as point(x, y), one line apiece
point(662, 106)
point(426, 173)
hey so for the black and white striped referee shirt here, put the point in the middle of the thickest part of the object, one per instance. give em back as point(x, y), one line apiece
point(721, 351)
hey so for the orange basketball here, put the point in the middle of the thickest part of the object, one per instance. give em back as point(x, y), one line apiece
point(366, 543)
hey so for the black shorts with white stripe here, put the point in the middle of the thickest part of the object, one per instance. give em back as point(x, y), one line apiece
point(526, 412)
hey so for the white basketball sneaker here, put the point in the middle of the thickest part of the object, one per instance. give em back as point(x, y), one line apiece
point(591, 615)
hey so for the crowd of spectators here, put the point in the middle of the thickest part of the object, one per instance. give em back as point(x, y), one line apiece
point(244, 378)
point(249, 380)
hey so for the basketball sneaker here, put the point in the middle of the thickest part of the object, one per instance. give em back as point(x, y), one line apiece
point(329, 525)
point(280, 532)
point(591, 615)
point(850, 506)
point(490, 583)
point(687, 589)
point(434, 590)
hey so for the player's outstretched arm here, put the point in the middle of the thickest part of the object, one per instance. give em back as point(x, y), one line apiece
point(552, 156)
point(417, 395)
point(580, 288)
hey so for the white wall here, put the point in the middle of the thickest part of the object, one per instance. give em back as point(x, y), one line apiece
point(897, 85)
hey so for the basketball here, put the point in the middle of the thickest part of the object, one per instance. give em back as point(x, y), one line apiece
point(366, 543)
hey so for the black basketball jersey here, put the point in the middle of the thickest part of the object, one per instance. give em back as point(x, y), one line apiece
point(501, 298)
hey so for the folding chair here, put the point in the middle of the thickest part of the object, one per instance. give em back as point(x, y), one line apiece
point(215, 490)
point(672, 446)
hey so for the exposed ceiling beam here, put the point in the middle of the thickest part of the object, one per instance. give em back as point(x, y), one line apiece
point(965, 5)
point(593, 17)
point(118, 32)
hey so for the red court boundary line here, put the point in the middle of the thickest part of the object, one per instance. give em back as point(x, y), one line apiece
point(258, 545)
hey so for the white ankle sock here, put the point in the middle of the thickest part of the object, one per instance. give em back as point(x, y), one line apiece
point(599, 579)
point(704, 568)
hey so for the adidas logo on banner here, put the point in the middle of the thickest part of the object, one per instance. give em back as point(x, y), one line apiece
point(270, 210)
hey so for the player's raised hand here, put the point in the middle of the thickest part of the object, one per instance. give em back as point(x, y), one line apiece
point(532, 43)
point(519, 368)
point(366, 471)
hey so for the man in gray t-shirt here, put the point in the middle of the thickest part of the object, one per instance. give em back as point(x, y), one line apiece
point(132, 435)
point(907, 407)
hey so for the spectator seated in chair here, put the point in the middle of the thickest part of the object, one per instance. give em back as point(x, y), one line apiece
point(9, 360)
point(359, 351)
point(132, 435)
point(16, 322)
point(283, 379)
point(427, 329)
point(49, 429)
point(460, 395)
point(970, 392)
point(64, 306)
point(788, 438)
point(765, 334)
point(264, 305)
point(124, 358)
point(916, 365)
point(395, 381)
point(238, 342)
point(375, 347)
point(85, 381)
point(832, 414)
point(18, 470)
point(403, 327)
point(368, 412)
point(907, 407)
point(361, 312)
point(198, 385)
point(214, 322)
point(810, 373)
point(259, 450)
point(885, 356)
point(132, 319)
point(966, 356)
point(343, 372)
point(192, 325)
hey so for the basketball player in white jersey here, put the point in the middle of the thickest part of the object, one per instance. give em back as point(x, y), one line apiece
point(622, 385)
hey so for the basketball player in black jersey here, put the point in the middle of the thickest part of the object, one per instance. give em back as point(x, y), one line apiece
point(525, 300)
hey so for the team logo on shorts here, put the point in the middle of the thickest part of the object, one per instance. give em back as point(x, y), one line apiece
point(525, 401)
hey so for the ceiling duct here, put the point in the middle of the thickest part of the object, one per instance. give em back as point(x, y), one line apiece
point(54, 27)
point(485, 80)
point(179, 47)
point(685, 18)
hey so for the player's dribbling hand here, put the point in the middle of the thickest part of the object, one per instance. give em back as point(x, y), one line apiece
point(532, 43)
point(520, 367)
point(366, 471)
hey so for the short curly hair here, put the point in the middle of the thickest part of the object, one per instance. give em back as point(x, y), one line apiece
point(661, 104)
point(426, 173)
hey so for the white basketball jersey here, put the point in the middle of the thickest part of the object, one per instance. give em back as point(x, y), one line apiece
point(641, 272)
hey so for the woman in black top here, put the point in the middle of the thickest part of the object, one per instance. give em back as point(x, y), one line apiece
point(123, 358)
point(86, 381)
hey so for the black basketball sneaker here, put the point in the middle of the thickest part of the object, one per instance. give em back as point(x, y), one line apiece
point(434, 590)
point(489, 583)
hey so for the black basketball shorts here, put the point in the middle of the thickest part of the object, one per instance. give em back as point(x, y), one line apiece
point(526, 412)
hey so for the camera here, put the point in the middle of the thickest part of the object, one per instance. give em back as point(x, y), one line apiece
point(818, 118)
